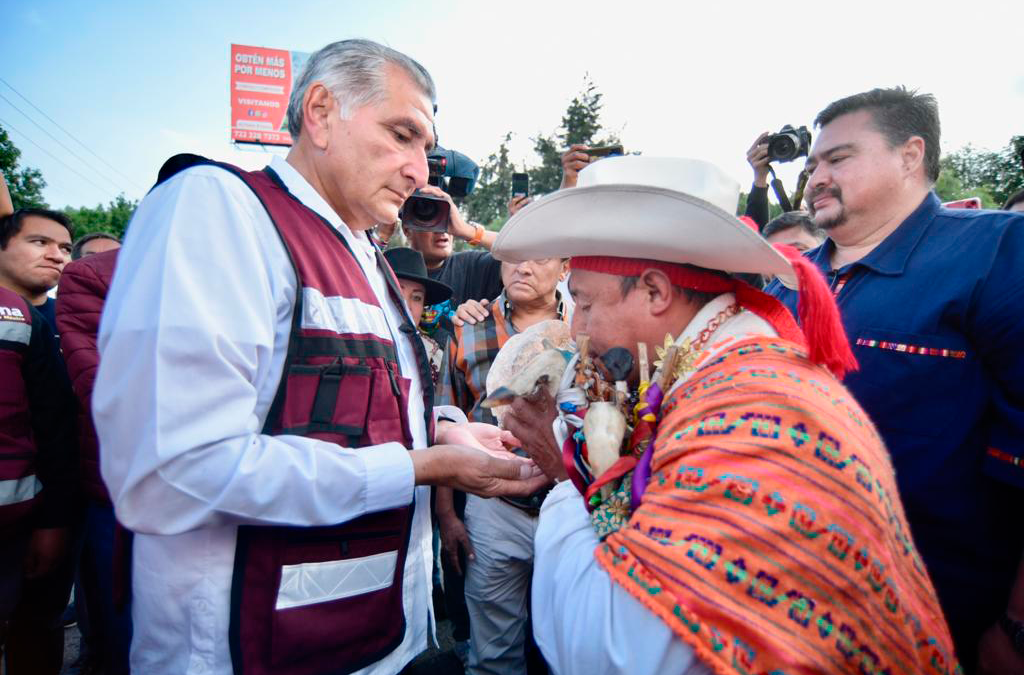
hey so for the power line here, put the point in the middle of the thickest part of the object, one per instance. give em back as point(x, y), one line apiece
point(70, 168)
point(61, 144)
point(71, 136)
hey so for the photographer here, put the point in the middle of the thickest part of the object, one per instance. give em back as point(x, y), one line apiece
point(472, 275)
point(757, 200)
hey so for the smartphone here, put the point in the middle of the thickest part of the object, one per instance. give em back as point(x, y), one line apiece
point(605, 151)
point(969, 203)
point(520, 185)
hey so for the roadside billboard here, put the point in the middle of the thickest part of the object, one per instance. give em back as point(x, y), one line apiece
point(261, 81)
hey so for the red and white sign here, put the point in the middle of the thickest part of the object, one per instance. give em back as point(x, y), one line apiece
point(261, 82)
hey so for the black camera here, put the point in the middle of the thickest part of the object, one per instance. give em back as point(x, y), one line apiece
point(789, 144)
point(449, 170)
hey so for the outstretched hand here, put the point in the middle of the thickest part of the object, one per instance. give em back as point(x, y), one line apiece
point(486, 437)
point(478, 471)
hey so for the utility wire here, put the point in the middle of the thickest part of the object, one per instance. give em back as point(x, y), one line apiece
point(72, 136)
point(61, 144)
point(70, 168)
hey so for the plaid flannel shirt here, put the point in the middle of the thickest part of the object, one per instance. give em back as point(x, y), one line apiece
point(470, 354)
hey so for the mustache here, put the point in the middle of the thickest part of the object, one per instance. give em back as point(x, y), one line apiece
point(832, 191)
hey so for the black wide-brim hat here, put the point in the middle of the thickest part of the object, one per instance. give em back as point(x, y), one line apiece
point(408, 264)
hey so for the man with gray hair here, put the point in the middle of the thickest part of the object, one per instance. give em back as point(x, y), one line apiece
point(263, 401)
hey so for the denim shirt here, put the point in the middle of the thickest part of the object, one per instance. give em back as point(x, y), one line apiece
point(935, 316)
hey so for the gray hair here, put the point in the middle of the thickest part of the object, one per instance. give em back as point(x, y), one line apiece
point(354, 71)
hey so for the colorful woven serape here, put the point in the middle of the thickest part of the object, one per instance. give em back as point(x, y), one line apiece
point(771, 537)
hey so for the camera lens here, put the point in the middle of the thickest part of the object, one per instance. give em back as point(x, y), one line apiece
point(424, 209)
point(783, 147)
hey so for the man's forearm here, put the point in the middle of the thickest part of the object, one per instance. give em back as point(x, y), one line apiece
point(486, 237)
point(430, 465)
point(444, 502)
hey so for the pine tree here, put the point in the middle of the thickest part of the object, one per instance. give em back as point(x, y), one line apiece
point(581, 123)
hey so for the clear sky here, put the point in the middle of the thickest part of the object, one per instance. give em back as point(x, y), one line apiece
point(137, 82)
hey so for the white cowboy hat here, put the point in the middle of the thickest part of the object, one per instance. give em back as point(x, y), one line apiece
point(625, 210)
point(658, 208)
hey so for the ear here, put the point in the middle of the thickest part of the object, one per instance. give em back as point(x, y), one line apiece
point(912, 154)
point(658, 292)
point(563, 271)
point(319, 112)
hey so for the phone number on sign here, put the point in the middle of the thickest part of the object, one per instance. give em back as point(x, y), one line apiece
point(260, 136)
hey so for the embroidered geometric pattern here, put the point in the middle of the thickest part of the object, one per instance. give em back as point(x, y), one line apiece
point(771, 537)
point(912, 349)
point(613, 513)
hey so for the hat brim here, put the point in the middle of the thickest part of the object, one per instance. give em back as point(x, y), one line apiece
point(435, 291)
point(637, 221)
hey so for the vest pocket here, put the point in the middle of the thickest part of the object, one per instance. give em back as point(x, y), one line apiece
point(387, 420)
point(326, 401)
point(324, 583)
point(309, 600)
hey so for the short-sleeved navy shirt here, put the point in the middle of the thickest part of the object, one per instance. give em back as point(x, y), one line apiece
point(935, 315)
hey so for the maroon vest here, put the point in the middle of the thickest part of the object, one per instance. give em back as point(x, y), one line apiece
point(18, 483)
point(342, 384)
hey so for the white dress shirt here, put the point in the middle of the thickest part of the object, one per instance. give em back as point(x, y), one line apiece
point(583, 621)
point(192, 345)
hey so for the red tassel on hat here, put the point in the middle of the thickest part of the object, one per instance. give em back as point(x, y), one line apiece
point(819, 316)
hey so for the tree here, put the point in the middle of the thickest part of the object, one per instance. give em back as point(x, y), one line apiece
point(489, 201)
point(112, 219)
point(998, 174)
point(580, 124)
point(951, 188)
point(25, 184)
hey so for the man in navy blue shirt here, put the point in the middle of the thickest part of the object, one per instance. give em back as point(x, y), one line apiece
point(933, 303)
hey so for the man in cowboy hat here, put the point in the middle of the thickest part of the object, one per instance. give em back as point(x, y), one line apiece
point(753, 522)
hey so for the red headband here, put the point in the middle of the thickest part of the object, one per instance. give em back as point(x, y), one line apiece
point(823, 333)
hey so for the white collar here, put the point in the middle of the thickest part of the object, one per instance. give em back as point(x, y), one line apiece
point(741, 325)
point(701, 319)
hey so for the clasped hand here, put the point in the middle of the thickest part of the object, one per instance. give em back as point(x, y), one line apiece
point(476, 458)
